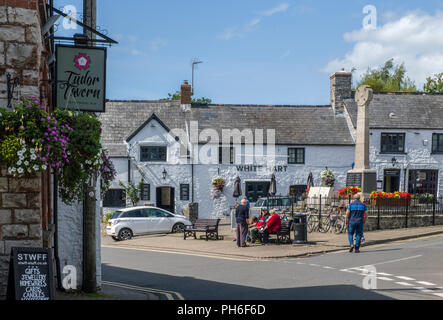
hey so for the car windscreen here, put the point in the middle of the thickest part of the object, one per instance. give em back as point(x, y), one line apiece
point(116, 214)
point(260, 203)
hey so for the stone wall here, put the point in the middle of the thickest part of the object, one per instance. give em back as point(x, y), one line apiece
point(399, 221)
point(20, 218)
point(20, 48)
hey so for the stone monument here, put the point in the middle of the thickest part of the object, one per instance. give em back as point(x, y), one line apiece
point(361, 175)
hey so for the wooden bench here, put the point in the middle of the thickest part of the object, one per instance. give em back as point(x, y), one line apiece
point(209, 226)
point(284, 233)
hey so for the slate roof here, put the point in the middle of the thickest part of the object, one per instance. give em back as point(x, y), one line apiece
point(294, 125)
point(412, 111)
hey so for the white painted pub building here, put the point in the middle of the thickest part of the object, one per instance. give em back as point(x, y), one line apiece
point(176, 148)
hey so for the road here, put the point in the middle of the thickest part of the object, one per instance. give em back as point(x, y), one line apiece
point(405, 270)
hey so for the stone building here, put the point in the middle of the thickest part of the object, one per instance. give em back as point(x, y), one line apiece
point(25, 204)
point(144, 140)
point(29, 215)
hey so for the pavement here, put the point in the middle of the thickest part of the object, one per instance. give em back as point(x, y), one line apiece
point(318, 243)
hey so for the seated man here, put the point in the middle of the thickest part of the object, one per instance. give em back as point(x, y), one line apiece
point(272, 226)
point(254, 231)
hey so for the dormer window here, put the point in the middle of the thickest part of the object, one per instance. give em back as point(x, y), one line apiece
point(153, 154)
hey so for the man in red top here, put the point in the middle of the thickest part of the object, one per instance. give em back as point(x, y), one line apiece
point(272, 226)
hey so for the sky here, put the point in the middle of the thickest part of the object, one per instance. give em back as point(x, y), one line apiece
point(269, 52)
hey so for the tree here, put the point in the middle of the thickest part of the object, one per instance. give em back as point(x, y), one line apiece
point(434, 84)
point(132, 192)
point(177, 96)
point(388, 78)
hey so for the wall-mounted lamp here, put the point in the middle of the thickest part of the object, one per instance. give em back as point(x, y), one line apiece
point(11, 84)
point(164, 173)
point(394, 161)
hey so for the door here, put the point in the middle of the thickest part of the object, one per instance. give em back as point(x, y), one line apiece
point(391, 180)
point(136, 221)
point(158, 221)
point(165, 198)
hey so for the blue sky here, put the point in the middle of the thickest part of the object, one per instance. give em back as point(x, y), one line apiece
point(261, 52)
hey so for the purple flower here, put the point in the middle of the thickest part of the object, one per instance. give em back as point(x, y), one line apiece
point(42, 119)
point(42, 107)
point(44, 159)
point(48, 118)
point(28, 107)
point(36, 101)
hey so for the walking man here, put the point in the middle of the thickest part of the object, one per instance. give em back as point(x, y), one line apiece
point(356, 216)
point(242, 216)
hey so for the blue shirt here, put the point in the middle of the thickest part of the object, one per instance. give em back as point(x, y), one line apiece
point(357, 210)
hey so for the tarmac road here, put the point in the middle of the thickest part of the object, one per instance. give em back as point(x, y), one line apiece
point(405, 270)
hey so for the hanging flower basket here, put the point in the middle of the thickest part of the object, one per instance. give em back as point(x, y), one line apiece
point(218, 183)
point(327, 178)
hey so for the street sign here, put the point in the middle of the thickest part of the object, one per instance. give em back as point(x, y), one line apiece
point(81, 78)
point(30, 274)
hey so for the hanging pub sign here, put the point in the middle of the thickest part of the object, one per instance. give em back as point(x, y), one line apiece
point(81, 78)
point(30, 274)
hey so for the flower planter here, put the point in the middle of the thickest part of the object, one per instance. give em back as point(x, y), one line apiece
point(390, 202)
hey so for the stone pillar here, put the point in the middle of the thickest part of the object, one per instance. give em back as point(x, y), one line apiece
point(362, 176)
point(20, 218)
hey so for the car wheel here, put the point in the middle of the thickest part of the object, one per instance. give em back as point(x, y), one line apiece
point(125, 234)
point(115, 238)
point(178, 227)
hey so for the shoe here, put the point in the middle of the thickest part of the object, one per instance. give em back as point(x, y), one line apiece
point(357, 251)
point(351, 248)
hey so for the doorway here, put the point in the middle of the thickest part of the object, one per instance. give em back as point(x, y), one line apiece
point(165, 198)
point(391, 180)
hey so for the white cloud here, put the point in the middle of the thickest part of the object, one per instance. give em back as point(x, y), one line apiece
point(280, 8)
point(414, 39)
point(252, 25)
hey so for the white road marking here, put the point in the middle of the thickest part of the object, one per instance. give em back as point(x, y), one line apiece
point(330, 268)
point(385, 279)
point(384, 274)
point(390, 261)
point(314, 265)
point(404, 284)
point(426, 283)
point(405, 278)
point(438, 294)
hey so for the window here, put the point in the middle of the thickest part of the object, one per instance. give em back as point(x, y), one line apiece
point(296, 155)
point(132, 214)
point(145, 191)
point(423, 181)
point(437, 143)
point(257, 190)
point(392, 143)
point(149, 154)
point(226, 155)
point(184, 192)
point(156, 213)
point(114, 198)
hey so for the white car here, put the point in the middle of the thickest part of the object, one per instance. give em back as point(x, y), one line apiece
point(129, 222)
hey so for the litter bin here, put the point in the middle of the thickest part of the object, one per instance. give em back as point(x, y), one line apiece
point(300, 229)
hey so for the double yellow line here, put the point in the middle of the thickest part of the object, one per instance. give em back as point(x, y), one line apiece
point(170, 295)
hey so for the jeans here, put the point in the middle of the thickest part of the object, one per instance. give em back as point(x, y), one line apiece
point(357, 229)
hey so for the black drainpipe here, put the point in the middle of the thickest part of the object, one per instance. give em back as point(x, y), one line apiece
point(55, 217)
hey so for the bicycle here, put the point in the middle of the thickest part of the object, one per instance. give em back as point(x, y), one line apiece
point(335, 220)
point(313, 221)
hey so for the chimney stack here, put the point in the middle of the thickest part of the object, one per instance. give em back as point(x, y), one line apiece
point(186, 93)
point(341, 88)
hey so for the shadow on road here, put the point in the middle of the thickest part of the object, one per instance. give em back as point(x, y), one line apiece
point(196, 289)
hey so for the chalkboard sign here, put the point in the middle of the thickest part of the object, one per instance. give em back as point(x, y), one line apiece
point(30, 274)
point(354, 180)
